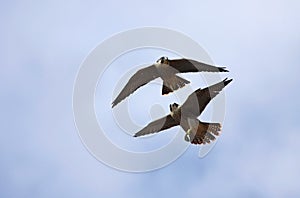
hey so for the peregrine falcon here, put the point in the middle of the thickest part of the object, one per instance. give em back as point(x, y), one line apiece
point(165, 69)
point(197, 132)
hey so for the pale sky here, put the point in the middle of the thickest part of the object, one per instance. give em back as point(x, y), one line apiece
point(43, 45)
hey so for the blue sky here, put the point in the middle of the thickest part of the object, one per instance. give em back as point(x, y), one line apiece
point(43, 45)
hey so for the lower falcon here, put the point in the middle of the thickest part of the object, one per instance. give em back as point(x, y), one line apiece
point(197, 132)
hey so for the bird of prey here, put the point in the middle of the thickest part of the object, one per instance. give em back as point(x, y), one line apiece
point(197, 132)
point(165, 69)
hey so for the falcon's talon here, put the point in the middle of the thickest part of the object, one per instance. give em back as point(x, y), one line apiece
point(187, 136)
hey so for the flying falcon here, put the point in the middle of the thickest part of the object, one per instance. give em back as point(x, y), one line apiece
point(197, 132)
point(165, 69)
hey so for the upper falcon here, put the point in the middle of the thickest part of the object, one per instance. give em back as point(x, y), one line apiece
point(165, 69)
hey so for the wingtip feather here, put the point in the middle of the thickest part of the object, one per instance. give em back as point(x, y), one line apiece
point(226, 81)
point(223, 69)
point(113, 104)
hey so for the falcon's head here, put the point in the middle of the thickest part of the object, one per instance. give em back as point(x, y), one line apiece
point(173, 107)
point(163, 60)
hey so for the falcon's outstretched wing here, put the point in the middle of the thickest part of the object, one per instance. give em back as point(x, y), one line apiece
point(140, 78)
point(189, 65)
point(157, 126)
point(198, 100)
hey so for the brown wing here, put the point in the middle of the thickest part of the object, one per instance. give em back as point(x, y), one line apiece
point(157, 126)
point(139, 79)
point(198, 100)
point(189, 65)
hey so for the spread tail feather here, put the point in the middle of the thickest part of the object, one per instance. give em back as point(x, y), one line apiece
point(201, 132)
point(172, 84)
